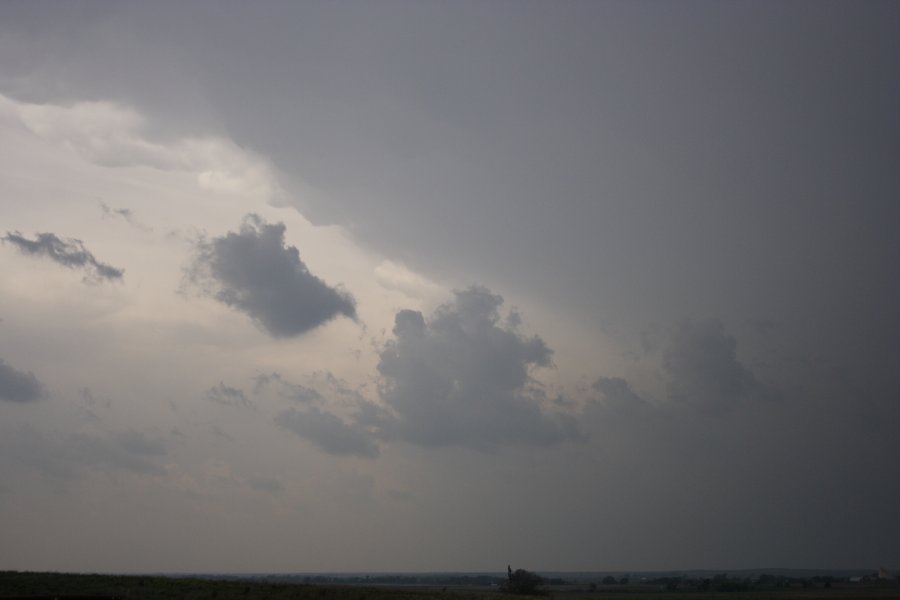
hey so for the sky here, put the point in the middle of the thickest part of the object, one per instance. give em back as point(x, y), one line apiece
point(447, 286)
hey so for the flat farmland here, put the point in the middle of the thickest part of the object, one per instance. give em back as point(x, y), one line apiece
point(133, 587)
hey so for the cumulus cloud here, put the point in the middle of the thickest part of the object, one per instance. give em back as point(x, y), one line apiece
point(355, 435)
point(329, 432)
point(18, 386)
point(69, 253)
point(701, 368)
point(462, 378)
point(254, 272)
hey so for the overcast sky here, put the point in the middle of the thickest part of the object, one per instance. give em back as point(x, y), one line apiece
point(367, 286)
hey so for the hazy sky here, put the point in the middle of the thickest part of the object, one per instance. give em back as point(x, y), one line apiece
point(386, 285)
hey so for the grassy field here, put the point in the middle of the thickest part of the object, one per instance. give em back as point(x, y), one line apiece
point(58, 585)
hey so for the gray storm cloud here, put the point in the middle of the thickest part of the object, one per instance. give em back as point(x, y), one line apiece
point(253, 271)
point(617, 394)
point(463, 378)
point(329, 432)
point(620, 165)
point(18, 386)
point(69, 253)
point(701, 368)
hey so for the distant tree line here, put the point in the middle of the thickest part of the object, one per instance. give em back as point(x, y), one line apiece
point(722, 583)
point(426, 579)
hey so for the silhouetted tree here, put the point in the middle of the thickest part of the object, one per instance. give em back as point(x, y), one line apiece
point(523, 582)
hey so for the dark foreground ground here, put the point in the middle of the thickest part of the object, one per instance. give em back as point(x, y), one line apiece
point(60, 586)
